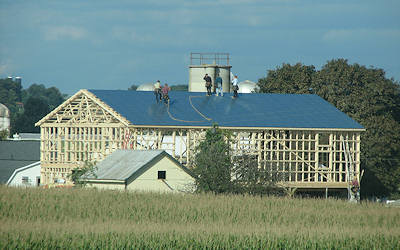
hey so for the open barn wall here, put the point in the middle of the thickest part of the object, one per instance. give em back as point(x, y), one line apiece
point(309, 158)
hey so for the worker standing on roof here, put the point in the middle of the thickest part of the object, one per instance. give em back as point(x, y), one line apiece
point(218, 85)
point(165, 91)
point(157, 90)
point(207, 78)
point(235, 86)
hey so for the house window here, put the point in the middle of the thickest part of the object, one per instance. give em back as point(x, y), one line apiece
point(25, 180)
point(161, 175)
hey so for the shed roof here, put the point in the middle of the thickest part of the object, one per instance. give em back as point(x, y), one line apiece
point(122, 164)
point(17, 154)
point(249, 110)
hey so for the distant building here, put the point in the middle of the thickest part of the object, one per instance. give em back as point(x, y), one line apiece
point(20, 163)
point(146, 87)
point(27, 136)
point(18, 79)
point(4, 117)
point(141, 170)
point(28, 176)
point(248, 87)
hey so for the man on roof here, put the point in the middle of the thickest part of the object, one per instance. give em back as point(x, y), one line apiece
point(165, 91)
point(218, 85)
point(207, 78)
point(235, 86)
point(157, 90)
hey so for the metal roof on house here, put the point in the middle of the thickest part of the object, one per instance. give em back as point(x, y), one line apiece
point(17, 154)
point(249, 110)
point(124, 163)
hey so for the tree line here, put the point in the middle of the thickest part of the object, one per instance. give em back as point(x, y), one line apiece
point(27, 106)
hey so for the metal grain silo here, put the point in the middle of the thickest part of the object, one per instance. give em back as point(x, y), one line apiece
point(248, 86)
point(211, 64)
point(146, 87)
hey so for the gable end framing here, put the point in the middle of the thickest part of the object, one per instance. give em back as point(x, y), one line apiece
point(83, 107)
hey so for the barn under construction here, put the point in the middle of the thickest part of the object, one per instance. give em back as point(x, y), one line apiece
point(302, 135)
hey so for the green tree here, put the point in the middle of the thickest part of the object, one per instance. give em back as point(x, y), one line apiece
point(77, 175)
point(22, 103)
point(213, 163)
point(4, 134)
point(179, 87)
point(35, 109)
point(10, 94)
point(296, 78)
point(366, 95)
point(133, 87)
point(217, 173)
point(52, 95)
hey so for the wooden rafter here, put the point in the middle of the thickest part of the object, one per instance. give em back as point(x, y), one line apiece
point(83, 107)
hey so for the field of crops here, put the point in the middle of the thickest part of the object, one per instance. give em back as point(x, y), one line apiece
point(79, 218)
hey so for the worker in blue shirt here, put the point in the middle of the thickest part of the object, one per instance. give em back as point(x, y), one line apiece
point(218, 85)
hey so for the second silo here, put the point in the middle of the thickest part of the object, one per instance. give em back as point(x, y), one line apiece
point(211, 64)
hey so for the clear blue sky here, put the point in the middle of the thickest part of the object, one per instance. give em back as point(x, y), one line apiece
point(106, 44)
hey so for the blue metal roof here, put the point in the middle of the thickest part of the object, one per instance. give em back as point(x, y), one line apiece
point(248, 110)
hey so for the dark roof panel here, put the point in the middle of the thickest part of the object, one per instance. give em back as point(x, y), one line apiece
point(17, 154)
point(249, 110)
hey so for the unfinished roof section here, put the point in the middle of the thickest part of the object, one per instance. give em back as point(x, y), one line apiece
point(249, 110)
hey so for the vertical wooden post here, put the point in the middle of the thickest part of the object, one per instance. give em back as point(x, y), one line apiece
point(173, 143)
point(358, 160)
point(316, 151)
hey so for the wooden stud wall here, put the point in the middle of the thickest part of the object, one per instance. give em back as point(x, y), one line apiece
point(305, 156)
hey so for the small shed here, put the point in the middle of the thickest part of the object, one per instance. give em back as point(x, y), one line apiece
point(141, 170)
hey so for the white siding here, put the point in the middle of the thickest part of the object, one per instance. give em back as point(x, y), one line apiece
point(176, 178)
point(32, 172)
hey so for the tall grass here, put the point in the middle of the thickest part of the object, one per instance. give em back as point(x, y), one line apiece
point(63, 218)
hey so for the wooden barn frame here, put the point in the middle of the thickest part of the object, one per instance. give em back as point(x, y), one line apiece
point(84, 129)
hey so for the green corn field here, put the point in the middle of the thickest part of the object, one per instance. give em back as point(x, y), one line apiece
point(84, 218)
